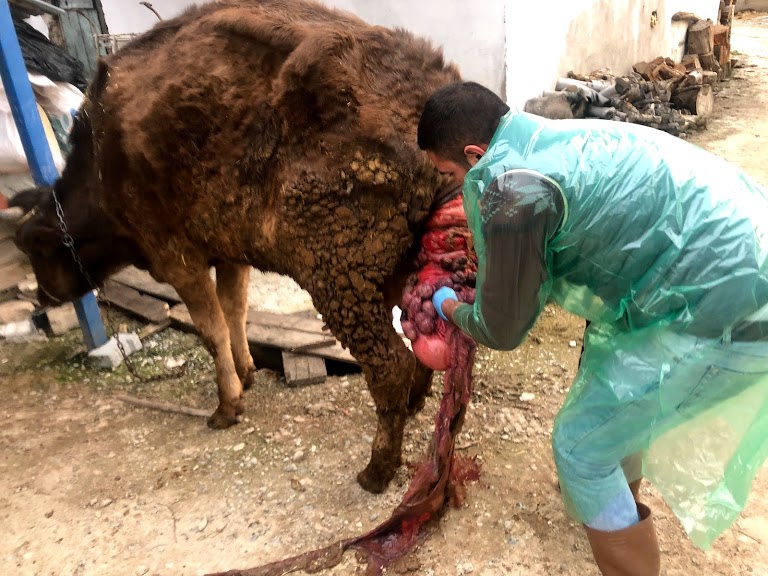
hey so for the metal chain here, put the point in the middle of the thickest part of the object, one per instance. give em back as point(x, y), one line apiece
point(69, 242)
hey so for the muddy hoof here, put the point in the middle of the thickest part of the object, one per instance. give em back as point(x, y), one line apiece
point(419, 392)
point(372, 481)
point(221, 421)
point(415, 404)
point(247, 380)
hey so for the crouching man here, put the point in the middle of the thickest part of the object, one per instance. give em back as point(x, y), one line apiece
point(670, 267)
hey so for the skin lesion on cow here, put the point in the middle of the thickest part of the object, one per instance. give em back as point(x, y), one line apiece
point(298, 156)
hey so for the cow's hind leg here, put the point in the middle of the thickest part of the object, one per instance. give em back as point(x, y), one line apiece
point(199, 294)
point(232, 290)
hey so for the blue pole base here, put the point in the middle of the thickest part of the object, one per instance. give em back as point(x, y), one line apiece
point(89, 316)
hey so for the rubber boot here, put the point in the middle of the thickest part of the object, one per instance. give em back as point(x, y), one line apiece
point(633, 551)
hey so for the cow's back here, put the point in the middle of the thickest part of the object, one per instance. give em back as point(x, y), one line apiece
point(241, 126)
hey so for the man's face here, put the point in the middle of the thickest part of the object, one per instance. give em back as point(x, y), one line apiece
point(449, 168)
point(453, 170)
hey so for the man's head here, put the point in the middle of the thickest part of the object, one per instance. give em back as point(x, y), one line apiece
point(457, 125)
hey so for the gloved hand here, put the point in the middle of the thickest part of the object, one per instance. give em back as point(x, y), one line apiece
point(441, 296)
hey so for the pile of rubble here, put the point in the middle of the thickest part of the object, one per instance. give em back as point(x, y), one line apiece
point(675, 97)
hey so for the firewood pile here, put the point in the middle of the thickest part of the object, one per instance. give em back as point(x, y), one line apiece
point(676, 97)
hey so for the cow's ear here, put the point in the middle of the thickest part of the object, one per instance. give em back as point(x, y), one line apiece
point(314, 87)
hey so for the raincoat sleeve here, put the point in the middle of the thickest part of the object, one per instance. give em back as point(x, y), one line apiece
point(519, 211)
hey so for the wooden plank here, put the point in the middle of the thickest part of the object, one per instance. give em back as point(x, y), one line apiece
point(287, 339)
point(282, 336)
point(302, 370)
point(298, 322)
point(142, 281)
point(131, 300)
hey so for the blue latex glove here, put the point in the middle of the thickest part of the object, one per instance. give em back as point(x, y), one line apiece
point(441, 296)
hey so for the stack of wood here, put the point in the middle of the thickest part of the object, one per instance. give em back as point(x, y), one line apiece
point(708, 44)
point(676, 97)
point(660, 94)
point(302, 345)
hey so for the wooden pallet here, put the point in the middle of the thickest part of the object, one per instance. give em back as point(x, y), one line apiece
point(300, 338)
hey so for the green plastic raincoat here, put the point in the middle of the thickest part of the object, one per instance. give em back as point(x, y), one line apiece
point(664, 248)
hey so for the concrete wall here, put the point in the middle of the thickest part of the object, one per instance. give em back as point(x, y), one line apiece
point(471, 37)
point(538, 40)
point(756, 5)
point(549, 38)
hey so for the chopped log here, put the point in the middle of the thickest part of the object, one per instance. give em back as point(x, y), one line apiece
point(645, 119)
point(700, 37)
point(723, 55)
point(698, 100)
point(722, 35)
point(708, 61)
point(695, 78)
point(709, 77)
point(553, 106)
point(691, 62)
point(133, 301)
point(301, 370)
point(601, 112)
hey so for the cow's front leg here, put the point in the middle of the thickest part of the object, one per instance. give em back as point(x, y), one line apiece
point(390, 371)
point(199, 294)
point(232, 290)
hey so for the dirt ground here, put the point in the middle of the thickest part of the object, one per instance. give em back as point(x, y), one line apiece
point(91, 486)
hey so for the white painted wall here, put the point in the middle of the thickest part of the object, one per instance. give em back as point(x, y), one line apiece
point(128, 16)
point(516, 48)
point(472, 37)
point(546, 39)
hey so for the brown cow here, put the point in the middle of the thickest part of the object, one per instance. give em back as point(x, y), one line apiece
point(277, 134)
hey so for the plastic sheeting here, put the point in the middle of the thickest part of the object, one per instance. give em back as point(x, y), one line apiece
point(664, 248)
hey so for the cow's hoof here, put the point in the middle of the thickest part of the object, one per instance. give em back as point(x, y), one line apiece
point(247, 380)
point(374, 481)
point(219, 420)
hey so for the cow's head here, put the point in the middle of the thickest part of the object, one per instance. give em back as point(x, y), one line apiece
point(39, 235)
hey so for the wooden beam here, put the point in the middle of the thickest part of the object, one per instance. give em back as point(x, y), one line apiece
point(132, 301)
point(142, 281)
point(283, 331)
point(302, 370)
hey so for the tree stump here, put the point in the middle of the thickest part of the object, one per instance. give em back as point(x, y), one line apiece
point(697, 100)
point(708, 61)
point(700, 37)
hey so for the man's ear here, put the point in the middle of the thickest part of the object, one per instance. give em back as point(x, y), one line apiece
point(474, 153)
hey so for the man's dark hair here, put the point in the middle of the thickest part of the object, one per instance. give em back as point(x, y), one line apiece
point(457, 115)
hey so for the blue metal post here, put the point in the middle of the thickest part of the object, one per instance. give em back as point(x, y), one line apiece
point(24, 109)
